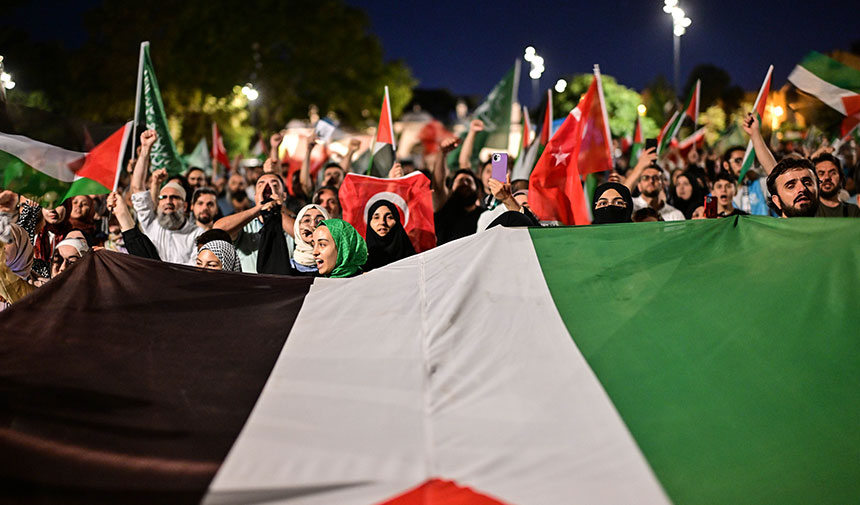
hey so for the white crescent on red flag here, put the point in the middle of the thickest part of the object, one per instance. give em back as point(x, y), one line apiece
point(411, 194)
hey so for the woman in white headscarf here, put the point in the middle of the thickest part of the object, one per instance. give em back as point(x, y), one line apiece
point(308, 218)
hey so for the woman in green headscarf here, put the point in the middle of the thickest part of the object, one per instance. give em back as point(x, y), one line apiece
point(339, 251)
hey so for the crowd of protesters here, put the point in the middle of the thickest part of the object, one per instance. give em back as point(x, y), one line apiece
point(255, 221)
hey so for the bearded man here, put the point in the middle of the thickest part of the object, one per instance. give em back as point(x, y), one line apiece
point(793, 187)
point(167, 226)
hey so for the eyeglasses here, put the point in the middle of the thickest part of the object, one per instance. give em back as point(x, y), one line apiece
point(59, 260)
point(170, 197)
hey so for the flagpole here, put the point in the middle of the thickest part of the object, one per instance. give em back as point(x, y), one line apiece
point(606, 130)
point(119, 160)
point(143, 45)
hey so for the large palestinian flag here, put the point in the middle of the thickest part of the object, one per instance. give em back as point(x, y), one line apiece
point(711, 361)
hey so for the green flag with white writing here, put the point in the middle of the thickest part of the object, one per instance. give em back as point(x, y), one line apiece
point(149, 115)
point(495, 112)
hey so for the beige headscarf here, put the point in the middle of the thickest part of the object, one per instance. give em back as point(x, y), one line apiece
point(304, 253)
point(19, 249)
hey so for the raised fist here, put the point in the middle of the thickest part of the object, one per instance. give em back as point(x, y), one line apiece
point(449, 144)
point(148, 137)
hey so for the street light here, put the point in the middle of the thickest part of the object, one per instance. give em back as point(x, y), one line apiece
point(6, 81)
point(680, 23)
point(776, 112)
point(560, 86)
point(250, 93)
point(641, 109)
point(535, 71)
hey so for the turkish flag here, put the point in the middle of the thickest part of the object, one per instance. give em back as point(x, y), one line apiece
point(555, 187)
point(411, 194)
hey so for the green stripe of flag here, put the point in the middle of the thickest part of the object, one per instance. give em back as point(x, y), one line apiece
point(729, 348)
point(832, 71)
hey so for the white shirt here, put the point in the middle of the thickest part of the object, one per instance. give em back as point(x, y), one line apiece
point(668, 213)
point(174, 246)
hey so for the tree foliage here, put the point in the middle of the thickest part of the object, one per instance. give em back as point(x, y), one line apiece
point(298, 54)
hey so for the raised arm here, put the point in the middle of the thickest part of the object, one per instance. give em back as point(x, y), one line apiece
point(440, 173)
point(765, 158)
point(274, 153)
point(234, 223)
point(465, 157)
point(155, 182)
point(647, 157)
point(305, 174)
point(141, 167)
point(346, 163)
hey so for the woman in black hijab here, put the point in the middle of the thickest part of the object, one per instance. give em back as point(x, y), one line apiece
point(387, 240)
point(687, 194)
point(612, 204)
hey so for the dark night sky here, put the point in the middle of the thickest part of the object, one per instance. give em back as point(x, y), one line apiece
point(467, 46)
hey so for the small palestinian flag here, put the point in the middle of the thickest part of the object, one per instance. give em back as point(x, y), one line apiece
point(832, 82)
point(638, 143)
point(673, 126)
point(382, 154)
point(758, 109)
point(52, 174)
point(526, 163)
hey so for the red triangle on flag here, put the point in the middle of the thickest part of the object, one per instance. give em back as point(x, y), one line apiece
point(385, 132)
point(411, 194)
point(546, 130)
point(102, 164)
point(442, 492)
point(219, 153)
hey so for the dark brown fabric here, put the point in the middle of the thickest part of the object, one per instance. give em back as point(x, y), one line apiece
point(126, 380)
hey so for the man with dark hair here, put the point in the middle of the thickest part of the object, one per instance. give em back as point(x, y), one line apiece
point(332, 174)
point(245, 227)
point(326, 197)
point(725, 186)
point(196, 178)
point(793, 187)
point(828, 169)
point(204, 207)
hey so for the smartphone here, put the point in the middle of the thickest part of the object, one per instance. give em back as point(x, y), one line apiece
point(649, 143)
point(500, 167)
point(710, 207)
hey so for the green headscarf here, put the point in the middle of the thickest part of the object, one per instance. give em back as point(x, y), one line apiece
point(351, 248)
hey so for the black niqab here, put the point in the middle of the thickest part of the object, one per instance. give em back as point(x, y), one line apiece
point(394, 246)
point(612, 213)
